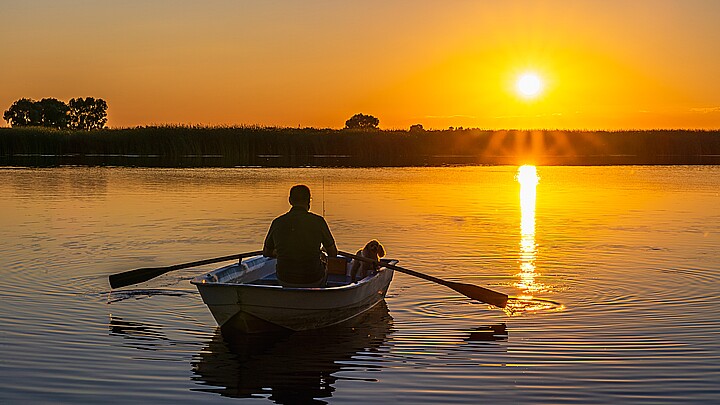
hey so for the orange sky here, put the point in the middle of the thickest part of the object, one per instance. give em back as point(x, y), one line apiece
point(605, 65)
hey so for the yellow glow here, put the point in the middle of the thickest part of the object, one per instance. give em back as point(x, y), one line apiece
point(529, 85)
point(528, 179)
point(596, 65)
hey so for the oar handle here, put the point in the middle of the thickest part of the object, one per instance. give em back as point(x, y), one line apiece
point(394, 267)
point(475, 292)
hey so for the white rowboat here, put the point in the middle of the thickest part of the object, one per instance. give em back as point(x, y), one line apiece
point(246, 297)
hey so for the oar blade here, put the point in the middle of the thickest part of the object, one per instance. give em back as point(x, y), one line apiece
point(135, 276)
point(480, 294)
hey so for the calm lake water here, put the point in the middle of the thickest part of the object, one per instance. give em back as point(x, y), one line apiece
point(622, 264)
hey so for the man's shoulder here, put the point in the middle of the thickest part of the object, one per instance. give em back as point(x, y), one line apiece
point(313, 217)
point(319, 219)
point(280, 219)
point(316, 216)
point(306, 214)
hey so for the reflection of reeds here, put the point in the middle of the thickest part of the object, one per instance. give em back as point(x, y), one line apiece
point(178, 146)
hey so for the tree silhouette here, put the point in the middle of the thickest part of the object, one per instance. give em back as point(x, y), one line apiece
point(417, 128)
point(22, 113)
point(48, 112)
point(87, 113)
point(53, 113)
point(362, 121)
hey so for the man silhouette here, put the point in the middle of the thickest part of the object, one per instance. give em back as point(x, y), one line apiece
point(296, 238)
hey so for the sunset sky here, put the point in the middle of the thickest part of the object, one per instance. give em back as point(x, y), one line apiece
point(601, 64)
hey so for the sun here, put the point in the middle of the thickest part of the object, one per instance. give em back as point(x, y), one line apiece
point(529, 85)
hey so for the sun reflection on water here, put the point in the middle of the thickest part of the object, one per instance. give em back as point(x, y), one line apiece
point(526, 302)
point(528, 179)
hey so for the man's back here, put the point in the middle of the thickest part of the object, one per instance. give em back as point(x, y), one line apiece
point(296, 237)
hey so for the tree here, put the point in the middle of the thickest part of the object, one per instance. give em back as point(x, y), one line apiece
point(87, 113)
point(48, 112)
point(53, 113)
point(81, 113)
point(362, 121)
point(22, 113)
point(417, 128)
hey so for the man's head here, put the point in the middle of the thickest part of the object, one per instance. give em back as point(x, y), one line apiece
point(300, 196)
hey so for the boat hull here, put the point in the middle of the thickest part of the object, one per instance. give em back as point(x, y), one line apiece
point(244, 298)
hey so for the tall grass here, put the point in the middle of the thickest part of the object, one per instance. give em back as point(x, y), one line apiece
point(178, 146)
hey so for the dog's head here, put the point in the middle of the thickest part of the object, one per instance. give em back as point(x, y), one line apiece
point(375, 248)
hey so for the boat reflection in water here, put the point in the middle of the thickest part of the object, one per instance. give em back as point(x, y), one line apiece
point(292, 367)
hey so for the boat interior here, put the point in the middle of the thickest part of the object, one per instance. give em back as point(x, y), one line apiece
point(334, 280)
point(338, 273)
point(260, 270)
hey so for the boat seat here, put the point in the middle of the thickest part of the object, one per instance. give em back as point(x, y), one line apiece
point(334, 280)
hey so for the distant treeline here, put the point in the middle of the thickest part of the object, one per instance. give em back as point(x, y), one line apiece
point(181, 146)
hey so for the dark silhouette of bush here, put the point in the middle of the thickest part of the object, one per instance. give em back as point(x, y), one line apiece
point(417, 128)
point(362, 121)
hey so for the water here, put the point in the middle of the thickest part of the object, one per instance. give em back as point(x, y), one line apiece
point(616, 270)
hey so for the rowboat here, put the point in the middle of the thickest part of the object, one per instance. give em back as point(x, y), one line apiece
point(247, 297)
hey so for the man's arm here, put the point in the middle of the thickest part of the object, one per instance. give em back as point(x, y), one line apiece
point(328, 242)
point(269, 245)
point(331, 250)
point(268, 252)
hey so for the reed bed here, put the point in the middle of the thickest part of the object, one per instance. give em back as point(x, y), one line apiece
point(184, 146)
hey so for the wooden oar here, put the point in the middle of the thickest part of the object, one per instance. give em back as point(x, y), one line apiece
point(469, 290)
point(139, 275)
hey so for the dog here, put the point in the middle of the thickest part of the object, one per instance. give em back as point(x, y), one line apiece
point(361, 269)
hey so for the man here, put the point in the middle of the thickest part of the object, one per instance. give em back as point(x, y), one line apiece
point(295, 239)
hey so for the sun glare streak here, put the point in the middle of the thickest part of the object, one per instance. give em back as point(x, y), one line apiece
point(528, 179)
